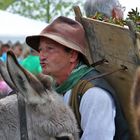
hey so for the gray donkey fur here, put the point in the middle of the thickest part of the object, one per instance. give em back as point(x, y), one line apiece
point(47, 116)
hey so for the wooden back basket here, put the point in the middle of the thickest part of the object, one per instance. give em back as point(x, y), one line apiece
point(119, 46)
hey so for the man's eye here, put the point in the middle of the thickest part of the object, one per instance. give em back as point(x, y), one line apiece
point(46, 49)
point(39, 49)
point(50, 48)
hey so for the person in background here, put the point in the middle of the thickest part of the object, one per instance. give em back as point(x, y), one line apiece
point(26, 52)
point(0, 48)
point(18, 49)
point(109, 8)
point(62, 49)
point(32, 62)
point(4, 88)
point(4, 49)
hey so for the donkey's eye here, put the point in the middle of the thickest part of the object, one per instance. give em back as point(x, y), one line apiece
point(62, 138)
point(21, 81)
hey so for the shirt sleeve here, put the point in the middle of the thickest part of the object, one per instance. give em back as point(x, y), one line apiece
point(97, 115)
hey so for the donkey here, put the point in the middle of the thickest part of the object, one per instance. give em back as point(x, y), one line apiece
point(48, 118)
point(135, 102)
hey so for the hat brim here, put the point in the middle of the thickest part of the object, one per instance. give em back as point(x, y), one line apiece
point(33, 42)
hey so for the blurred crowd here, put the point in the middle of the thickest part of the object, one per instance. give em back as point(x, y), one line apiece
point(27, 58)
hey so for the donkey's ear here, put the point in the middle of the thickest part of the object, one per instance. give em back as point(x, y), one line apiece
point(27, 84)
point(46, 80)
point(5, 75)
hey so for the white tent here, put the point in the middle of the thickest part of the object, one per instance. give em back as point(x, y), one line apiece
point(14, 27)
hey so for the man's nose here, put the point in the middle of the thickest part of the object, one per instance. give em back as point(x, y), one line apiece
point(42, 55)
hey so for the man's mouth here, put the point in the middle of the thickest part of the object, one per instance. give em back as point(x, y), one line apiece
point(43, 65)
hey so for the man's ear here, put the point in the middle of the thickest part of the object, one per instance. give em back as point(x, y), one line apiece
point(118, 12)
point(74, 56)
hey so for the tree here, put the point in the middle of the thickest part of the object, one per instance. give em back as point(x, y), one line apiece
point(5, 3)
point(44, 10)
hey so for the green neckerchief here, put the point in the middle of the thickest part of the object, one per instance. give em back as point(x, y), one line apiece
point(74, 77)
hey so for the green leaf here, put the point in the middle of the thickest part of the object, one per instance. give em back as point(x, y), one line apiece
point(5, 3)
point(44, 10)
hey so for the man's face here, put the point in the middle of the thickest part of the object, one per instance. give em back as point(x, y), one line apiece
point(5, 49)
point(118, 12)
point(18, 51)
point(53, 57)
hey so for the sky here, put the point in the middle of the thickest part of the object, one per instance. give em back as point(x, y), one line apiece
point(129, 4)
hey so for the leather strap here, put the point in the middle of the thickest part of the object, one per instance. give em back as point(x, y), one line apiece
point(77, 92)
point(22, 118)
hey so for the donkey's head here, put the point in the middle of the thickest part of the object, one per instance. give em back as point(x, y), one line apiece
point(50, 116)
point(19, 79)
point(135, 99)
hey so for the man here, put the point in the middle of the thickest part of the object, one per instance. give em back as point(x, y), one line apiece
point(109, 8)
point(62, 48)
point(4, 49)
point(18, 49)
point(4, 88)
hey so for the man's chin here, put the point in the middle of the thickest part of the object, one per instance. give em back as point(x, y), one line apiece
point(45, 72)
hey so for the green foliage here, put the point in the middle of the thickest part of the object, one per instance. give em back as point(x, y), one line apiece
point(134, 15)
point(5, 3)
point(44, 10)
point(102, 17)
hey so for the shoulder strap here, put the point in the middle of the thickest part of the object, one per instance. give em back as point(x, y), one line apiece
point(22, 118)
point(122, 130)
point(77, 92)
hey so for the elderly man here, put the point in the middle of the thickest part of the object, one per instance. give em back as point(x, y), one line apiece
point(62, 48)
point(109, 8)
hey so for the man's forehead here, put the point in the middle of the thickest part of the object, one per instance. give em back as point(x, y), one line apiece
point(46, 39)
point(49, 41)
